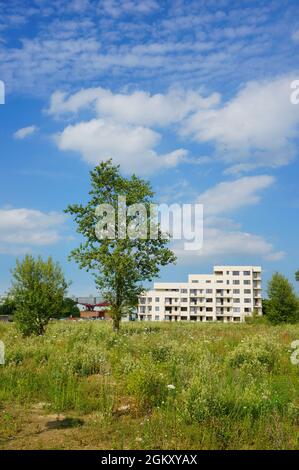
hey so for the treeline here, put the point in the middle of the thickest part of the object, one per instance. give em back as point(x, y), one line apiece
point(282, 304)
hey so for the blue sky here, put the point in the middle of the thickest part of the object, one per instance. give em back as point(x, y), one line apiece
point(193, 95)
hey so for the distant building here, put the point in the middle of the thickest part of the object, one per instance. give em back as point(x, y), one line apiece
point(5, 318)
point(228, 295)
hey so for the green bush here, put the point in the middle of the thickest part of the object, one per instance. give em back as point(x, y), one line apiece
point(253, 352)
point(148, 384)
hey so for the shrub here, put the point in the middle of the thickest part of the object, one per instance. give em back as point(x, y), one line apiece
point(38, 290)
point(161, 353)
point(253, 352)
point(148, 384)
point(283, 305)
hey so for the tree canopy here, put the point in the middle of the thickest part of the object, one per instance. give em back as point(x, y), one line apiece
point(38, 290)
point(282, 305)
point(119, 262)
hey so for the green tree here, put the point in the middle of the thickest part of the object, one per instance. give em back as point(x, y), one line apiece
point(120, 265)
point(38, 290)
point(282, 305)
point(297, 276)
point(8, 306)
point(69, 308)
point(265, 306)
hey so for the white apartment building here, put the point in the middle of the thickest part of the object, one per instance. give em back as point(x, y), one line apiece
point(227, 295)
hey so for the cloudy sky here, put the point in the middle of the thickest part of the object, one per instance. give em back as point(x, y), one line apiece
point(193, 95)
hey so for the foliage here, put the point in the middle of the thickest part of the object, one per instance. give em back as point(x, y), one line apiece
point(120, 265)
point(69, 308)
point(282, 306)
point(8, 306)
point(38, 290)
point(265, 306)
point(254, 352)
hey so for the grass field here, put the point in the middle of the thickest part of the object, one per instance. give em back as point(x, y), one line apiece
point(152, 386)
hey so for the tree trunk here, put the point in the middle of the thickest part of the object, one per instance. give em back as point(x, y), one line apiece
point(116, 323)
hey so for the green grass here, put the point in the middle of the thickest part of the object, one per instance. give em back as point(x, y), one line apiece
point(152, 386)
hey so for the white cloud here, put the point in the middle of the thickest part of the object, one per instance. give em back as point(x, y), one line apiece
point(222, 244)
point(22, 227)
point(120, 7)
point(130, 146)
point(139, 107)
point(230, 196)
point(223, 238)
point(250, 127)
point(60, 103)
point(247, 131)
point(24, 132)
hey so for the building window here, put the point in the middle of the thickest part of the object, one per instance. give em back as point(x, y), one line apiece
point(236, 282)
point(209, 291)
point(157, 309)
point(184, 299)
point(236, 301)
point(209, 300)
point(209, 309)
point(247, 301)
point(236, 273)
point(208, 282)
point(142, 300)
point(184, 291)
point(236, 310)
point(236, 291)
point(149, 299)
point(157, 299)
point(247, 291)
point(247, 281)
point(184, 309)
point(157, 318)
point(246, 273)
